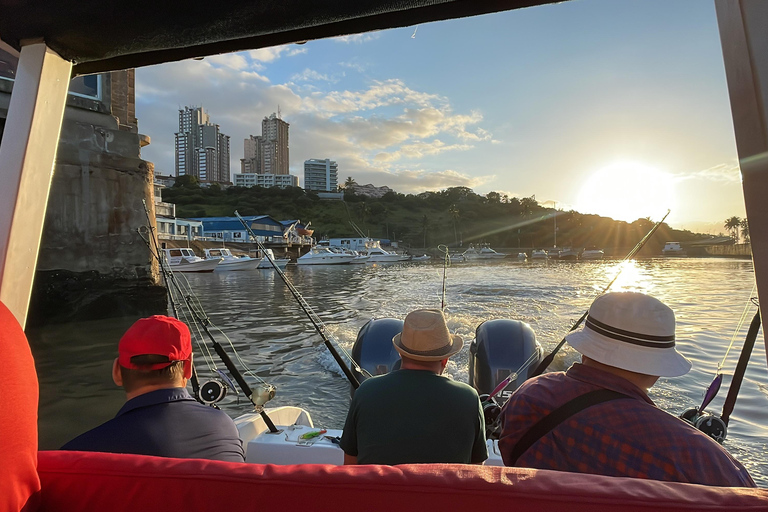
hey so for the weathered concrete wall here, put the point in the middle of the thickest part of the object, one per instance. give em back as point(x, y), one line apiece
point(92, 261)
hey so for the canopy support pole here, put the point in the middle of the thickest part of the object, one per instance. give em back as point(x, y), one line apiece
point(27, 156)
point(745, 52)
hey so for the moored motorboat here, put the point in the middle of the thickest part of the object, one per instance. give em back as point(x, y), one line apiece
point(522, 256)
point(539, 254)
point(378, 255)
point(673, 249)
point(592, 253)
point(185, 260)
point(568, 253)
point(265, 262)
point(484, 252)
point(423, 257)
point(324, 256)
point(228, 261)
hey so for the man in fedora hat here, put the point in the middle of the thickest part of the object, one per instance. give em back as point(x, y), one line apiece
point(415, 414)
point(160, 418)
point(597, 417)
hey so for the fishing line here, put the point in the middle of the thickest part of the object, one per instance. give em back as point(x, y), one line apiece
point(314, 318)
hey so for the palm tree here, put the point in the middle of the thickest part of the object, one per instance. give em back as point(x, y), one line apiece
point(349, 182)
point(732, 225)
point(454, 213)
point(745, 229)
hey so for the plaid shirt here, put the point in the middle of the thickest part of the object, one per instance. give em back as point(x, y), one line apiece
point(624, 437)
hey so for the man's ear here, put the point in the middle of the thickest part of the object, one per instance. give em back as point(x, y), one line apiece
point(117, 377)
point(188, 368)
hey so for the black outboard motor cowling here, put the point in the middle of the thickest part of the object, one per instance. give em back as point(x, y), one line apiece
point(373, 350)
point(500, 348)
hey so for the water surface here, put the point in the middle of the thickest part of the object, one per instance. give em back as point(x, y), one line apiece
point(276, 340)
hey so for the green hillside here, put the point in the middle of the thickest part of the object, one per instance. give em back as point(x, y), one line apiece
point(455, 217)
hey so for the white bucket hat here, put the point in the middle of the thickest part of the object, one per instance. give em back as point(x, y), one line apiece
point(425, 337)
point(631, 331)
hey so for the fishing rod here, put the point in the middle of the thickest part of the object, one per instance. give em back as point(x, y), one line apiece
point(551, 356)
point(266, 393)
point(446, 261)
point(313, 317)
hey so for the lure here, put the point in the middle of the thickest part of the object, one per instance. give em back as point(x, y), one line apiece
point(311, 435)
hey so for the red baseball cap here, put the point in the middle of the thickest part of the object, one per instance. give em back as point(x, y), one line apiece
point(157, 335)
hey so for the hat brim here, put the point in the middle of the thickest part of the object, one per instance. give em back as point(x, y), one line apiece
point(661, 362)
point(457, 343)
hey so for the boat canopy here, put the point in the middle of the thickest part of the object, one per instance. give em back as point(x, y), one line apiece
point(98, 37)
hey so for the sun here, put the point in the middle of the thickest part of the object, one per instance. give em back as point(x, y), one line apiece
point(627, 191)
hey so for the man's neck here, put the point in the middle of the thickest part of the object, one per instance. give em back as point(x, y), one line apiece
point(641, 380)
point(148, 389)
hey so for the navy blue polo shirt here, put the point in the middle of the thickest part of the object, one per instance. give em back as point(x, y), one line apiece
point(165, 423)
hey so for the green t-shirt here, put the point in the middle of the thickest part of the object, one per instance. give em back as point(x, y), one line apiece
point(415, 416)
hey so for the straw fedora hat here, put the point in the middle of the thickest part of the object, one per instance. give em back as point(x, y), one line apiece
point(631, 331)
point(425, 337)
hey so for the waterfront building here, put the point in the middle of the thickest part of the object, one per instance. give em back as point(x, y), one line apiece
point(250, 179)
point(230, 229)
point(321, 175)
point(201, 149)
point(274, 136)
point(169, 227)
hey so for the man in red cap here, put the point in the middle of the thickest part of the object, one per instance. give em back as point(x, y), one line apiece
point(160, 418)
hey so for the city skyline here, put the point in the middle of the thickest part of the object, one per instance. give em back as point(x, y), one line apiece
point(624, 113)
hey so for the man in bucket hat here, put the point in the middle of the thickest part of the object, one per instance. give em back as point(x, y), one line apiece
point(415, 414)
point(597, 417)
point(160, 418)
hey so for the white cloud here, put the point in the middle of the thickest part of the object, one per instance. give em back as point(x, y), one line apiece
point(723, 173)
point(366, 130)
point(310, 75)
point(360, 68)
point(358, 38)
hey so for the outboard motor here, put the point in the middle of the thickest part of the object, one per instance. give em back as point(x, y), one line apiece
point(502, 347)
point(373, 350)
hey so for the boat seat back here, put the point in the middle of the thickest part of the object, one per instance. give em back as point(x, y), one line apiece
point(90, 482)
point(19, 484)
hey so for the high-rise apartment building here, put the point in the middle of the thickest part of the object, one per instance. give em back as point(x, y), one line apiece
point(201, 149)
point(274, 136)
point(253, 153)
point(321, 175)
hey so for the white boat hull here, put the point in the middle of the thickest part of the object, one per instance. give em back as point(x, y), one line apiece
point(197, 266)
point(384, 258)
point(325, 260)
point(238, 264)
point(265, 263)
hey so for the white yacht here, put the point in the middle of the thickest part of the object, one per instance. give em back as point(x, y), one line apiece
point(324, 256)
point(228, 261)
point(522, 256)
point(378, 255)
point(359, 258)
point(539, 254)
point(265, 262)
point(185, 260)
point(592, 253)
point(673, 249)
point(484, 252)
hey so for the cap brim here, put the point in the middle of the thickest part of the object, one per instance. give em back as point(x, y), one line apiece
point(661, 362)
point(457, 343)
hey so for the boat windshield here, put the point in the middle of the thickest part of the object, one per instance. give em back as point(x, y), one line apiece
point(214, 252)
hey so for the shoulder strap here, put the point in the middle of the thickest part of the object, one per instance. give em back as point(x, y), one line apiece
point(559, 415)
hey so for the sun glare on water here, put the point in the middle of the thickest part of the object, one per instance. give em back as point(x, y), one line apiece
point(627, 191)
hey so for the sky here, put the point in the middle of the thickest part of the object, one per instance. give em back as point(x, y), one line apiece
point(614, 107)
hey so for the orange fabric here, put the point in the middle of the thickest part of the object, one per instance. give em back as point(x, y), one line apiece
point(18, 420)
point(84, 482)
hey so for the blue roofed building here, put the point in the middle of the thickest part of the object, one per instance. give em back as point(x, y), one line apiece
point(230, 229)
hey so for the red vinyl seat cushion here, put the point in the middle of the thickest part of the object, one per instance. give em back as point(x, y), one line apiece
point(76, 481)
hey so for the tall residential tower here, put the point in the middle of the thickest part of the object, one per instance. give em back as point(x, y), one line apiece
point(321, 175)
point(201, 149)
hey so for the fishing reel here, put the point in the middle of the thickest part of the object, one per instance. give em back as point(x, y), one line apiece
point(212, 391)
point(711, 424)
point(492, 415)
point(262, 394)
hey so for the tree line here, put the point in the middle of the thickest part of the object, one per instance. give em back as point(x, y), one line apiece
point(455, 217)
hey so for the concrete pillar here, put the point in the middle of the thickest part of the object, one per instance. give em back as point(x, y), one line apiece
point(27, 155)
